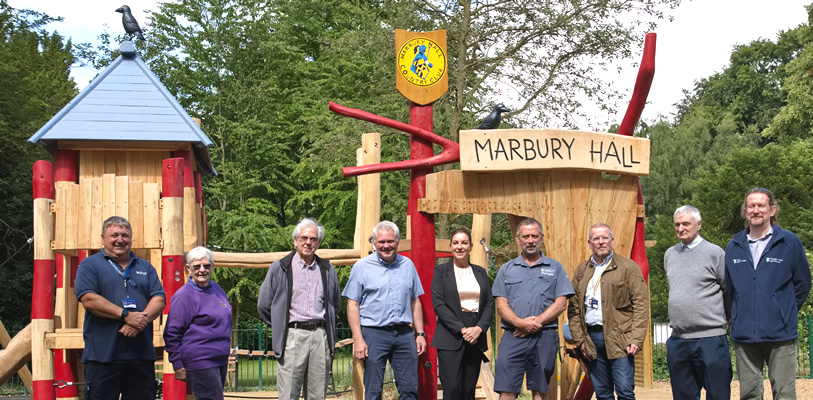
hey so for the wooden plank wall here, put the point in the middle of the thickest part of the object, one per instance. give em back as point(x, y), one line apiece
point(567, 203)
point(140, 166)
point(81, 209)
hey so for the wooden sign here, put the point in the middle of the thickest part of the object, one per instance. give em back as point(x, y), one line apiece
point(527, 149)
point(422, 65)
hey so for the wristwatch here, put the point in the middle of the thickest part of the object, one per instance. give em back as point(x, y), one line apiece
point(420, 334)
point(124, 313)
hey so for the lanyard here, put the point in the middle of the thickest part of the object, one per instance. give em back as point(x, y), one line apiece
point(125, 275)
point(595, 288)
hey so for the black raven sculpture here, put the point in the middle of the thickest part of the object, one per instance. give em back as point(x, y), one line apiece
point(492, 121)
point(131, 27)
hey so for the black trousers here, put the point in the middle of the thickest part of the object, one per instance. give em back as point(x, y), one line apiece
point(459, 369)
point(132, 379)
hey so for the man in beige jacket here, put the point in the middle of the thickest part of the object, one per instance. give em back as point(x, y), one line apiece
point(608, 315)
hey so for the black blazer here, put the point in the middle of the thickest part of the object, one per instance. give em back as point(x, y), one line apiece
point(446, 302)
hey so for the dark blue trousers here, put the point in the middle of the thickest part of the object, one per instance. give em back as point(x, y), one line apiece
point(611, 375)
point(699, 363)
point(207, 384)
point(131, 379)
point(398, 346)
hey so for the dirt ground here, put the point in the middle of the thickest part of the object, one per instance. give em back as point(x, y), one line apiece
point(661, 390)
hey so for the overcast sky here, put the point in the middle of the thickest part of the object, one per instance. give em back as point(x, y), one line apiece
point(696, 44)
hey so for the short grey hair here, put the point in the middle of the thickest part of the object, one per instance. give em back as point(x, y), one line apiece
point(387, 226)
point(599, 225)
point(529, 221)
point(199, 253)
point(691, 210)
point(309, 222)
point(116, 221)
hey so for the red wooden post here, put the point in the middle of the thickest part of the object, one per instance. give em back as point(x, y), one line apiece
point(643, 83)
point(172, 258)
point(423, 246)
point(64, 360)
point(646, 72)
point(42, 294)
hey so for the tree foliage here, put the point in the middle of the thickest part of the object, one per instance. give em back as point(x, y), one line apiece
point(34, 68)
point(746, 126)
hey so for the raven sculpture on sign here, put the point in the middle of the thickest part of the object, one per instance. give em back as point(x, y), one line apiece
point(492, 121)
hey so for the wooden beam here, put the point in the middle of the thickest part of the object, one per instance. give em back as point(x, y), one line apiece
point(106, 145)
point(16, 355)
point(368, 213)
point(72, 339)
point(441, 245)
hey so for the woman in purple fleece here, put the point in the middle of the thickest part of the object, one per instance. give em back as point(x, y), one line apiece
point(198, 329)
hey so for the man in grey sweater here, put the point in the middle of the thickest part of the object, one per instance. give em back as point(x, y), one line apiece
point(699, 310)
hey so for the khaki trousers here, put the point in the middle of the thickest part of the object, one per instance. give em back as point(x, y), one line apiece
point(306, 357)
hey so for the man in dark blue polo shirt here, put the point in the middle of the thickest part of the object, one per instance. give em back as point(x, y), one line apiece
point(122, 295)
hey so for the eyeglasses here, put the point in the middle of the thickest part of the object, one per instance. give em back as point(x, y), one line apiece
point(308, 239)
point(200, 266)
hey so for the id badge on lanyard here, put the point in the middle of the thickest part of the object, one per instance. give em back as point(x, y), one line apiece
point(126, 302)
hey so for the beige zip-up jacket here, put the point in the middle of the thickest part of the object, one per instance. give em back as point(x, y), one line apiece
point(624, 306)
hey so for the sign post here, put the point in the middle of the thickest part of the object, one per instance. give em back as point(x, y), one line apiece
point(422, 78)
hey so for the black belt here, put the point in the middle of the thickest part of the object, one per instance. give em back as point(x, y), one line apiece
point(391, 327)
point(544, 328)
point(595, 328)
point(309, 326)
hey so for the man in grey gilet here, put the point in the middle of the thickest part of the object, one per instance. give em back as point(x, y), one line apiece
point(697, 352)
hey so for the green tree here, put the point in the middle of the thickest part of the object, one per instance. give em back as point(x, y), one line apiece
point(34, 75)
point(794, 120)
point(782, 169)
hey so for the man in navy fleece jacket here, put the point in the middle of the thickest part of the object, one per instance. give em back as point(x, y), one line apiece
point(768, 276)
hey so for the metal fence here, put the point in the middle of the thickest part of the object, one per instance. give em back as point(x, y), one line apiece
point(255, 370)
point(804, 352)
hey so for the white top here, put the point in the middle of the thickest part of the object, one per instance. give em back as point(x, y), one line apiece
point(693, 244)
point(468, 289)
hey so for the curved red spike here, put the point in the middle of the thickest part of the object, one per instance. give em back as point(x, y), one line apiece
point(646, 72)
point(450, 153)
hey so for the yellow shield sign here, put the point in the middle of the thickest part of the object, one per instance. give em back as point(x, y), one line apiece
point(422, 65)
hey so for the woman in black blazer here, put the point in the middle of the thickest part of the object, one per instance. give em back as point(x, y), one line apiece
point(461, 295)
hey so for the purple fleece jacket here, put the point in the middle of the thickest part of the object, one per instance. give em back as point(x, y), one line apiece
point(198, 329)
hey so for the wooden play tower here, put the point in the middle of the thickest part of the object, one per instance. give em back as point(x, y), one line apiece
point(123, 146)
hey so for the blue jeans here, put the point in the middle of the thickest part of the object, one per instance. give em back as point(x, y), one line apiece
point(702, 362)
point(207, 384)
point(608, 375)
point(398, 346)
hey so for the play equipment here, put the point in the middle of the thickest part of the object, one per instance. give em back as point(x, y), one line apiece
point(567, 194)
point(125, 147)
point(16, 353)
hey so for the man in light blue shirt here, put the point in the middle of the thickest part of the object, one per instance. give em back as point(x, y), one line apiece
point(382, 301)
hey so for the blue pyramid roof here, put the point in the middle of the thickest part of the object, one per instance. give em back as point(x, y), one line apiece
point(126, 102)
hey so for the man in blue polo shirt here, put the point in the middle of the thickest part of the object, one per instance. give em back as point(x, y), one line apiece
point(122, 295)
point(382, 301)
point(530, 292)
